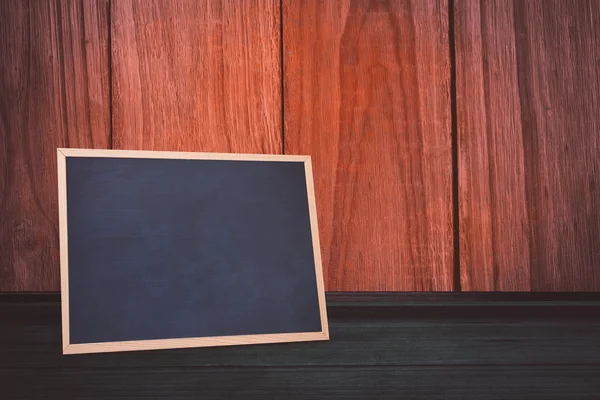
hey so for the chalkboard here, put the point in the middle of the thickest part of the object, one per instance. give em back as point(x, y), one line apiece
point(169, 250)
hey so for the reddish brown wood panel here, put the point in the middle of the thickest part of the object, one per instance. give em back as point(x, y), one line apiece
point(367, 95)
point(529, 144)
point(196, 75)
point(54, 89)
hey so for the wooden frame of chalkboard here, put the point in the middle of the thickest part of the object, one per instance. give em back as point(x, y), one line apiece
point(70, 347)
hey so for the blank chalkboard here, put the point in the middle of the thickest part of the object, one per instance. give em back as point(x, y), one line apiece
point(168, 250)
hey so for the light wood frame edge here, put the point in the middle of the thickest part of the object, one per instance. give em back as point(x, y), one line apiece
point(179, 155)
point(135, 345)
point(314, 227)
point(64, 250)
point(161, 344)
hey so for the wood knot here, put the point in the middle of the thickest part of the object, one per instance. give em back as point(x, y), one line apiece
point(28, 238)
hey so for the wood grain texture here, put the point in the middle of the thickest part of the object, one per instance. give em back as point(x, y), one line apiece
point(442, 351)
point(54, 92)
point(196, 75)
point(308, 383)
point(416, 331)
point(367, 95)
point(527, 107)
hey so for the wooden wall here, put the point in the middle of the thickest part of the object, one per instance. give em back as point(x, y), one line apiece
point(54, 80)
point(528, 100)
point(455, 143)
point(196, 75)
point(367, 94)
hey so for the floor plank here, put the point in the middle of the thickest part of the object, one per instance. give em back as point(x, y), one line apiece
point(527, 105)
point(367, 95)
point(450, 382)
point(362, 334)
point(440, 350)
point(54, 79)
point(196, 75)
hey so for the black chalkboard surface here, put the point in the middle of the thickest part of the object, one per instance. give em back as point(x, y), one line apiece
point(168, 250)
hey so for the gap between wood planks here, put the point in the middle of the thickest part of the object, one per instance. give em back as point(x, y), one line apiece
point(454, 127)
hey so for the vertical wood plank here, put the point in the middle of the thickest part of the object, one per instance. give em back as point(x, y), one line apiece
point(491, 161)
point(367, 95)
point(54, 80)
point(527, 101)
point(196, 75)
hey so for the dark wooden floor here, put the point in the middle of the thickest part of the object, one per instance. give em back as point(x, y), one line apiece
point(419, 346)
